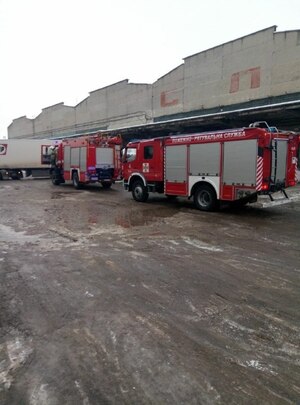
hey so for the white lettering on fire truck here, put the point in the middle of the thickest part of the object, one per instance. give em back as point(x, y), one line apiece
point(208, 137)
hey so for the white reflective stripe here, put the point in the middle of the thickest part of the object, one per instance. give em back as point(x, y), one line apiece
point(259, 173)
point(139, 175)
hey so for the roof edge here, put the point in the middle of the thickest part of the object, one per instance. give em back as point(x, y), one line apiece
point(233, 40)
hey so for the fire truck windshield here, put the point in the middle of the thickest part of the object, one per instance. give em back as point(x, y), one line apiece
point(130, 154)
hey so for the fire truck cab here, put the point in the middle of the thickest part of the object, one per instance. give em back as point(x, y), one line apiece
point(230, 165)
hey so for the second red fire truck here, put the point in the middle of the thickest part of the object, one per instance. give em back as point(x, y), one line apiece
point(231, 165)
point(87, 159)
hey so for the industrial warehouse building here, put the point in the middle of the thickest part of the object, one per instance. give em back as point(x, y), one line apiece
point(256, 77)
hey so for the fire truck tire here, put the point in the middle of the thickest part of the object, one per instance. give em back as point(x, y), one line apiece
point(106, 185)
point(205, 198)
point(75, 180)
point(139, 191)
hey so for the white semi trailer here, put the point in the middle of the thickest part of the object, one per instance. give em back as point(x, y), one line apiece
point(24, 157)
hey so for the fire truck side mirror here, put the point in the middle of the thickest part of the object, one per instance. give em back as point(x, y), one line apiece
point(123, 155)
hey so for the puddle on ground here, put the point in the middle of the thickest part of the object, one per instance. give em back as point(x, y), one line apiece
point(87, 215)
point(146, 217)
point(8, 234)
point(55, 195)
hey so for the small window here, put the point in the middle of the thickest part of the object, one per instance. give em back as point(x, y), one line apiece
point(45, 155)
point(130, 154)
point(148, 152)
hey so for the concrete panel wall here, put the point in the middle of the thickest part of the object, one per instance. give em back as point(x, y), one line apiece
point(261, 65)
point(56, 119)
point(203, 80)
point(113, 106)
point(91, 113)
point(21, 128)
point(168, 93)
point(92, 108)
point(232, 73)
point(130, 98)
point(258, 66)
point(285, 69)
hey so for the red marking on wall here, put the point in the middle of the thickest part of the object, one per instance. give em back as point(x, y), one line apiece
point(164, 102)
point(235, 83)
point(254, 74)
point(255, 77)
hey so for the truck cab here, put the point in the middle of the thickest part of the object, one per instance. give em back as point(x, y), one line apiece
point(142, 167)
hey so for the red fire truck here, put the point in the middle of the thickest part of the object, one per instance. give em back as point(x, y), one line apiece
point(231, 165)
point(87, 159)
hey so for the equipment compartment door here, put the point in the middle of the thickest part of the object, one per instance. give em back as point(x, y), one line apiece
point(75, 157)
point(279, 158)
point(67, 158)
point(83, 159)
point(205, 159)
point(239, 165)
point(176, 170)
point(104, 158)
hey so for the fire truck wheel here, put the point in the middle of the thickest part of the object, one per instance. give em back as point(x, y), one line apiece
point(75, 179)
point(205, 198)
point(106, 185)
point(139, 191)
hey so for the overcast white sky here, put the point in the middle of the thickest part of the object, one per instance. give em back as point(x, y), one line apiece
point(60, 50)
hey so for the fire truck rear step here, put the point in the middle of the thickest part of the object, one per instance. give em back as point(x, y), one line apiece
point(277, 201)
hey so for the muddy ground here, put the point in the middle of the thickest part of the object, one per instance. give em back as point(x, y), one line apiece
point(109, 301)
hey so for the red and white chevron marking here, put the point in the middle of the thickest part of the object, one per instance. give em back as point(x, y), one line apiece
point(259, 173)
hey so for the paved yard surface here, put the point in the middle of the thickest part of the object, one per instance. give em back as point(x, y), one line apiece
point(107, 301)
